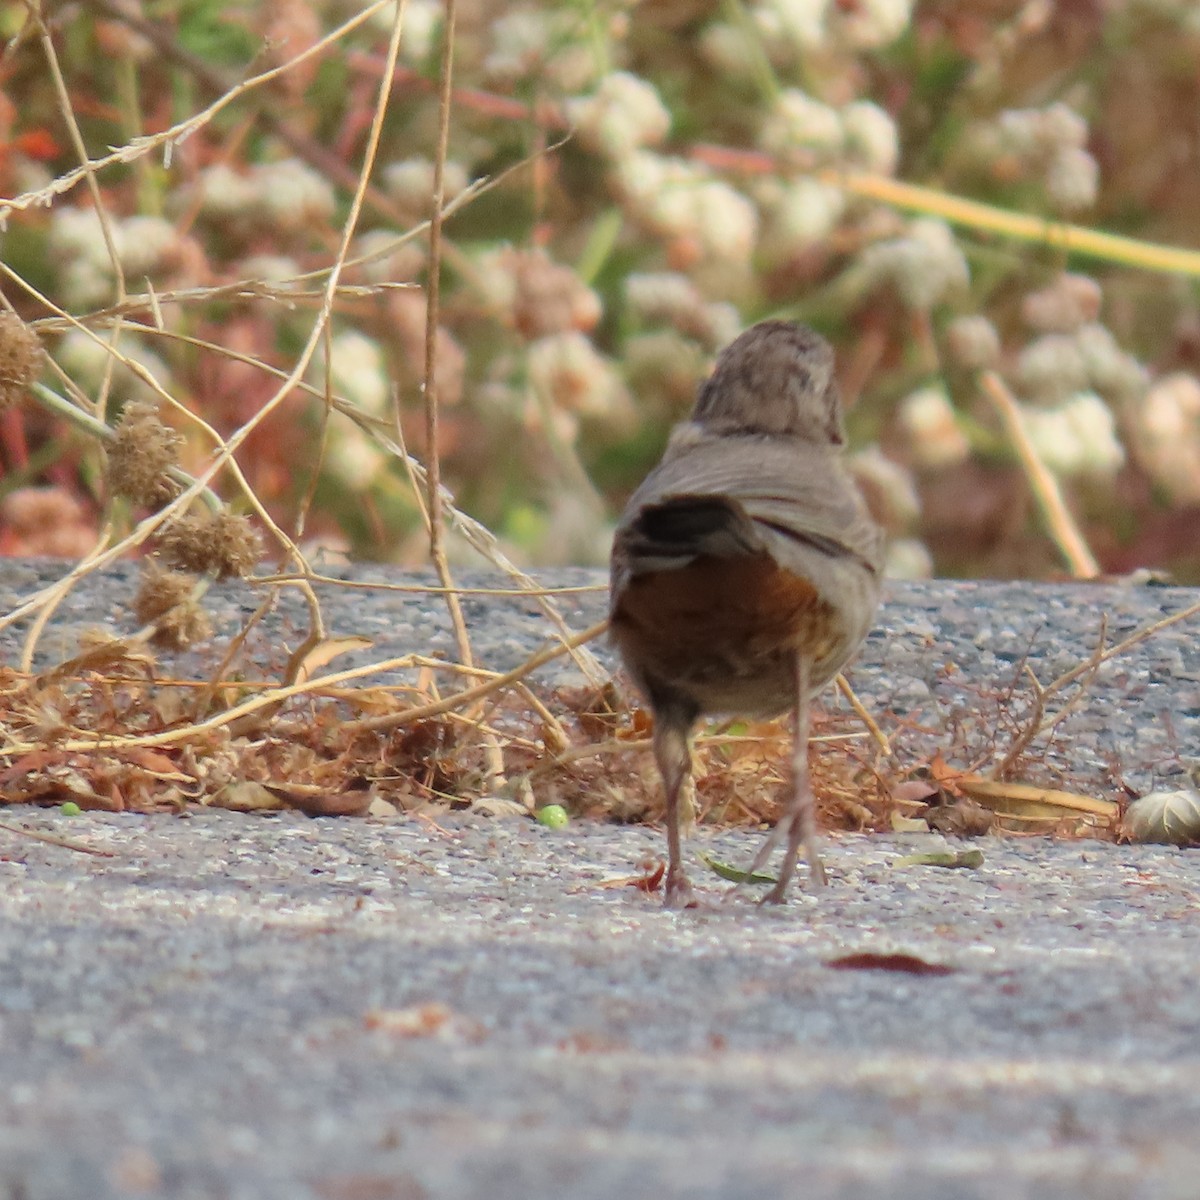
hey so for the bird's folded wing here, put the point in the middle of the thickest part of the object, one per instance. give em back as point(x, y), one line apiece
point(728, 497)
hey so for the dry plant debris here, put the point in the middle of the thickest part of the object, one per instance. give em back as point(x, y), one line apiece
point(172, 294)
point(112, 730)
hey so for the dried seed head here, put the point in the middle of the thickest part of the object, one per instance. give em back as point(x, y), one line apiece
point(166, 599)
point(139, 457)
point(21, 357)
point(549, 297)
point(569, 372)
point(223, 544)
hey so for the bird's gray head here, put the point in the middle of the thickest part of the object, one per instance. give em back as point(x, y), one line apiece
point(776, 379)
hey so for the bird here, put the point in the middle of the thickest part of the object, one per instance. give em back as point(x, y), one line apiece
point(746, 571)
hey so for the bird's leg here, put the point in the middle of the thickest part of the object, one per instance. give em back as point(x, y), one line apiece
point(674, 759)
point(799, 819)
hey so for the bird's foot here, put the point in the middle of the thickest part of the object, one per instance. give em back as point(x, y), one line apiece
point(817, 879)
point(678, 890)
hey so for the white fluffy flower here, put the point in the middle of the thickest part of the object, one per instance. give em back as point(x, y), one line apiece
point(973, 342)
point(870, 137)
point(352, 457)
point(1078, 437)
point(292, 196)
point(799, 23)
point(1166, 428)
point(225, 192)
point(669, 297)
point(411, 181)
point(549, 44)
point(422, 25)
point(889, 485)
point(1060, 127)
point(677, 199)
point(357, 371)
point(1051, 368)
point(1072, 179)
point(86, 361)
point(732, 50)
point(1110, 369)
point(662, 295)
point(566, 370)
point(624, 113)
point(798, 121)
point(869, 24)
point(270, 268)
point(725, 222)
point(388, 257)
point(925, 265)
point(930, 425)
point(803, 215)
point(907, 558)
point(145, 246)
point(520, 41)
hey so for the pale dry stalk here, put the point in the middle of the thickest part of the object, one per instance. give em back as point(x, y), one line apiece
point(1061, 525)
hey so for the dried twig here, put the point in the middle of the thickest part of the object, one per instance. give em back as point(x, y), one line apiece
point(52, 840)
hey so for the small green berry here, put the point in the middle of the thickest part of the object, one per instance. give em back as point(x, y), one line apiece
point(553, 816)
point(70, 809)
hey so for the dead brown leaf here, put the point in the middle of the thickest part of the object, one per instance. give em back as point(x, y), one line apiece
point(908, 964)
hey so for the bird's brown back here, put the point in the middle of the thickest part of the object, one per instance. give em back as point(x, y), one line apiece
point(749, 542)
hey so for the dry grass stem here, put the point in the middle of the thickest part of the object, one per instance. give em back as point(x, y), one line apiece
point(1062, 527)
point(433, 469)
point(860, 710)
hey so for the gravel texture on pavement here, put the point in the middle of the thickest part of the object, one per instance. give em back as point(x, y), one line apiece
point(274, 1007)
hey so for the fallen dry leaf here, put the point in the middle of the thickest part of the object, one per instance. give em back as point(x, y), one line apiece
point(320, 802)
point(312, 656)
point(964, 818)
point(423, 1020)
point(245, 796)
point(650, 880)
point(908, 964)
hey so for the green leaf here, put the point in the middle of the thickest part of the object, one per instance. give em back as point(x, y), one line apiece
point(942, 858)
point(733, 874)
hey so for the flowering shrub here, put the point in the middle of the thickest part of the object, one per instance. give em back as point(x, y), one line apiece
point(629, 186)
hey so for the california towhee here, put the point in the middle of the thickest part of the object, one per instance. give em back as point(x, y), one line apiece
point(745, 569)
